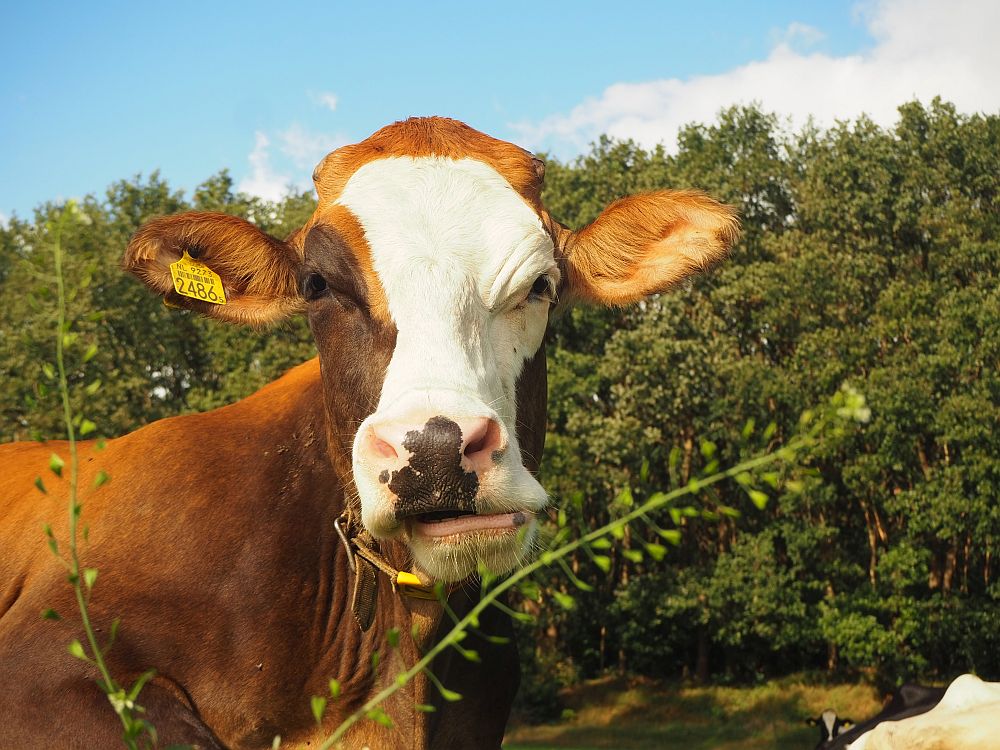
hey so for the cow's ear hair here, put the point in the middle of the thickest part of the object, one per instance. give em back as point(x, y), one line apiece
point(644, 244)
point(258, 272)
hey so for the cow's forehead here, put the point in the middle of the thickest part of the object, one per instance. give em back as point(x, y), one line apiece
point(430, 136)
point(446, 222)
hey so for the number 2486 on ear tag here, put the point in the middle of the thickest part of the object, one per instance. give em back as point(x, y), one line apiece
point(196, 280)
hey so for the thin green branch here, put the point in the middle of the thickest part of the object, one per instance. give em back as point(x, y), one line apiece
point(551, 556)
point(121, 707)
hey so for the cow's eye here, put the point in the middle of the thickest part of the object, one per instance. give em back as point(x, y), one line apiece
point(313, 286)
point(541, 289)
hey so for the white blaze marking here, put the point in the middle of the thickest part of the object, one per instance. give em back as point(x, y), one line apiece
point(451, 242)
point(456, 249)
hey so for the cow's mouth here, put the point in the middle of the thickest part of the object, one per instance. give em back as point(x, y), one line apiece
point(443, 523)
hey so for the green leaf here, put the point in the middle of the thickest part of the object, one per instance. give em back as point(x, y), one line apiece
point(50, 614)
point(625, 497)
point(561, 518)
point(602, 543)
point(771, 478)
point(748, 428)
point(49, 372)
point(392, 636)
point(100, 478)
point(87, 427)
point(564, 600)
point(40, 485)
point(92, 387)
point(618, 531)
point(632, 554)
point(140, 683)
point(318, 707)
point(76, 649)
point(529, 590)
point(89, 577)
point(56, 464)
point(708, 448)
point(671, 535)
point(656, 551)
point(425, 708)
point(379, 716)
point(375, 660)
point(603, 562)
point(759, 498)
point(89, 354)
point(334, 689)
point(449, 695)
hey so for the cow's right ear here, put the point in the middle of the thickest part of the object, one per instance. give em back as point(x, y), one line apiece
point(258, 272)
point(643, 244)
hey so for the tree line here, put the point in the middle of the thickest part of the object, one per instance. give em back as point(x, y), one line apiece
point(869, 256)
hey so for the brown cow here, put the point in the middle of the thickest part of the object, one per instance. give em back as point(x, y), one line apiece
point(250, 551)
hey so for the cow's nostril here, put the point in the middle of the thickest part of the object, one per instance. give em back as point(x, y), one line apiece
point(482, 439)
point(381, 448)
point(475, 446)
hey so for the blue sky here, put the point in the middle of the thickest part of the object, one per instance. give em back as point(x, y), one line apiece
point(92, 93)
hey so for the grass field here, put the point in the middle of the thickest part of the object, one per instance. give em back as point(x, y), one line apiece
point(643, 715)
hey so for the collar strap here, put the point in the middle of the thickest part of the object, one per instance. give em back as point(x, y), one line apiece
point(364, 559)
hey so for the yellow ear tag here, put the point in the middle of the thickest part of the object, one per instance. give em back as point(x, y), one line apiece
point(410, 585)
point(196, 280)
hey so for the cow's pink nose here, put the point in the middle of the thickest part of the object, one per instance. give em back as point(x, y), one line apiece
point(471, 442)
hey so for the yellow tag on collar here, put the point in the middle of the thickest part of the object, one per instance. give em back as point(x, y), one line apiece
point(411, 586)
point(196, 280)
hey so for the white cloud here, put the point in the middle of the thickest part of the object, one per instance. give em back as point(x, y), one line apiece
point(922, 48)
point(299, 150)
point(799, 35)
point(305, 148)
point(326, 99)
point(263, 181)
point(4, 220)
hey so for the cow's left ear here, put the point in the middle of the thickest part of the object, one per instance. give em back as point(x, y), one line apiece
point(258, 271)
point(644, 244)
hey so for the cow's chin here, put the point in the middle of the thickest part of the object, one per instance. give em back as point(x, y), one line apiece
point(456, 557)
point(499, 537)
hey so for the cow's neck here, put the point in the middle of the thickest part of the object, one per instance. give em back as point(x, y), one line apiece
point(317, 472)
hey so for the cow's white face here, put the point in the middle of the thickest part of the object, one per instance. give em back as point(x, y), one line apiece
point(468, 273)
point(427, 273)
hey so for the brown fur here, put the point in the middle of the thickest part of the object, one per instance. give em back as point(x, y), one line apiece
point(214, 537)
point(213, 543)
point(647, 243)
point(257, 270)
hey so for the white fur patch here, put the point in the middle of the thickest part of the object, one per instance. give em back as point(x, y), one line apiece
point(457, 251)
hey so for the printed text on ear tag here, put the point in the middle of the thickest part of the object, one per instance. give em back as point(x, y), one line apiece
point(196, 280)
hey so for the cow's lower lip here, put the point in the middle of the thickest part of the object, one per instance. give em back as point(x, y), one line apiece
point(471, 523)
